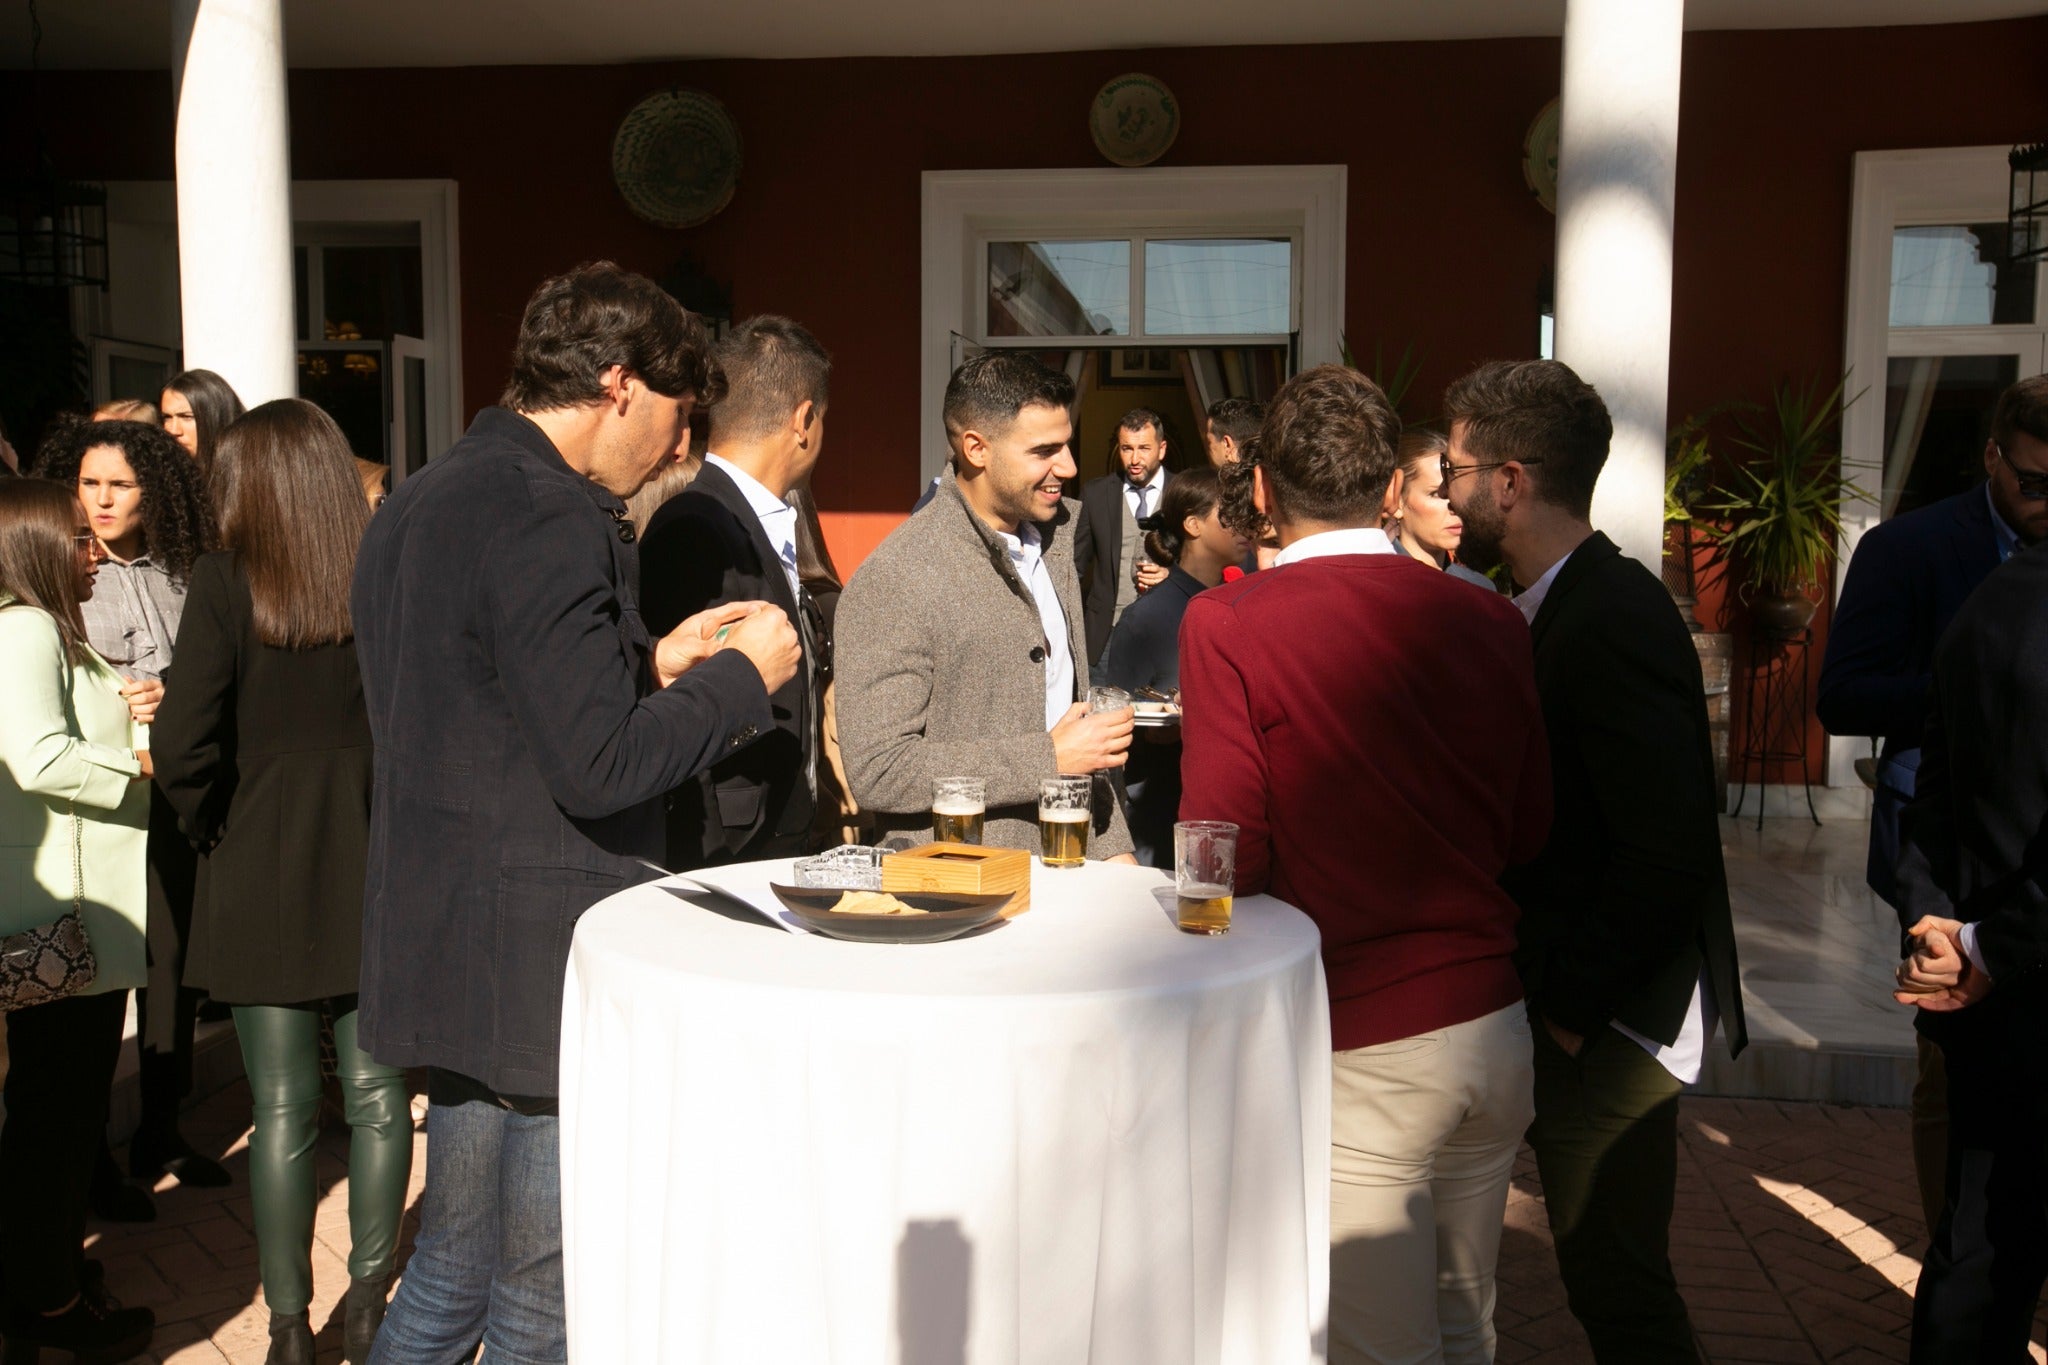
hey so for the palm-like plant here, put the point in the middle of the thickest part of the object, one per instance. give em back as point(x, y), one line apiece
point(1780, 507)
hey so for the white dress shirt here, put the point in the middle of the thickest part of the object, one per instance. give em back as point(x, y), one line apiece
point(1143, 500)
point(777, 518)
point(1352, 540)
point(1688, 1051)
point(1028, 559)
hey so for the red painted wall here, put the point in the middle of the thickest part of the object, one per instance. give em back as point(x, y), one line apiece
point(1446, 249)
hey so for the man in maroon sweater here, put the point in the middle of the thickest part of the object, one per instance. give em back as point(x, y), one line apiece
point(1372, 727)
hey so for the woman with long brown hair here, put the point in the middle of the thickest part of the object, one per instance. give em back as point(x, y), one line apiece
point(263, 746)
point(198, 406)
point(74, 821)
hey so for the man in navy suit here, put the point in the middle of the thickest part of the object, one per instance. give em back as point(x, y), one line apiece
point(731, 537)
point(1906, 581)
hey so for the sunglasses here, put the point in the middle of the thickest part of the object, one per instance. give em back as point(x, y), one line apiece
point(87, 544)
point(1451, 471)
point(2032, 483)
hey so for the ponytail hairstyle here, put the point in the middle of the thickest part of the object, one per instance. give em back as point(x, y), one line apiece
point(1190, 493)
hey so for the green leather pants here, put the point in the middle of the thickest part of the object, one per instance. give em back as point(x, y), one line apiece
point(281, 1052)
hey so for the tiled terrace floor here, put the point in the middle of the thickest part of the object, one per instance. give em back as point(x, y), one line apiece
point(1797, 1238)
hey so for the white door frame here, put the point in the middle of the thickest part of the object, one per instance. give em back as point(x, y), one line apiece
point(1893, 189)
point(431, 204)
point(962, 207)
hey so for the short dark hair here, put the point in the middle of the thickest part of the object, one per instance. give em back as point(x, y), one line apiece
point(1536, 410)
point(988, 392)
point(581, 323)
point(2023, 407)
point(1191, 493)
point(772, 367)
point(1327, 446)
point(1236, 417)
point(215, 405)
point(1137, 419)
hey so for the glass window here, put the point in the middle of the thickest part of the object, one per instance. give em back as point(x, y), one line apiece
point(1059, 289)
point(1956, 276)
point(1937, 417)
point(371, 292)
point(1219, 287)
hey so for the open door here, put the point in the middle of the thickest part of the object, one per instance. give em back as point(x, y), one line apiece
point(409, 448)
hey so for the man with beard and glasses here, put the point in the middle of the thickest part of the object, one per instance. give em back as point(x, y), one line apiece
point(960, 645)
point(1627, 948)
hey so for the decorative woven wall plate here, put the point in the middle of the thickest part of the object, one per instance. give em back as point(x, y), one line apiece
point(1539, 156)
point(1135, 119)
point(676, 157)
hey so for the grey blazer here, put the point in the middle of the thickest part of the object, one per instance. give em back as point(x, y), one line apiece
point(941, 671)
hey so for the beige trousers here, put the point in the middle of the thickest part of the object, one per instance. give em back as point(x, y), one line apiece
point(1423, 1138)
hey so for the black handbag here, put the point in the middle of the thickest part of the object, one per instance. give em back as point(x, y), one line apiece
point(55, 960)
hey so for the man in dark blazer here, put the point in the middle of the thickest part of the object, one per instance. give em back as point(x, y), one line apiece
point(1973, 872)
point(731, 537)
point(1108, 548)
point(1627, 947)
point(526, 728)
point(1905, 583)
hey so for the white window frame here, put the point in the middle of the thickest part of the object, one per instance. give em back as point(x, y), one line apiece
point(963, 210)
point(1138, 338)
point(1894, 189)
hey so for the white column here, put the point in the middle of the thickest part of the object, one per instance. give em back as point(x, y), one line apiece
point(235, 194)
point(1616, 178)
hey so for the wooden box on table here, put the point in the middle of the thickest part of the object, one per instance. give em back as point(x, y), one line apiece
point(966, 868)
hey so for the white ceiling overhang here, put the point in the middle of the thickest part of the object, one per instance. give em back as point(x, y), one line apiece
point(135, 34)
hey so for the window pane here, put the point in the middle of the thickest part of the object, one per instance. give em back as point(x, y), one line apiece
point(372, 292)
point(1219, 287)
point(1059, 289)
point(1937, 417)
point(1956, 276)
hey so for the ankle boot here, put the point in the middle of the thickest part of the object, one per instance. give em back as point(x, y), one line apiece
point(291, 1339)
point(363, 1314)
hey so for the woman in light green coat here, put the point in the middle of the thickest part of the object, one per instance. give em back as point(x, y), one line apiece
point(74, 822)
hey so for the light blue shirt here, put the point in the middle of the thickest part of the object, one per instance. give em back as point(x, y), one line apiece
point(777, 518)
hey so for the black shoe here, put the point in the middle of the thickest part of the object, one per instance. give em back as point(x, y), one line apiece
point(291, 1340)
point(363, 1313)
point(93, 1331)
point(151, 1156)
point(114, 1200)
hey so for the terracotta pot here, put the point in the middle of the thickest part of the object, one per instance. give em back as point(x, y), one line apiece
point(1782, 615)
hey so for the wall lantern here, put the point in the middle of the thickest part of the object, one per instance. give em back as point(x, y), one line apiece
point(2027, 240)
point(53, 233)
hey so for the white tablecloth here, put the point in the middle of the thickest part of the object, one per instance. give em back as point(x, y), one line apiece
point(1081, 1136)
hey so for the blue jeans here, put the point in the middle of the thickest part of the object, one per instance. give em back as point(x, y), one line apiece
point(487, 1264)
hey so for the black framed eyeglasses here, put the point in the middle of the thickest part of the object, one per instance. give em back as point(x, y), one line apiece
point(1451, 471)
point(2032, 483)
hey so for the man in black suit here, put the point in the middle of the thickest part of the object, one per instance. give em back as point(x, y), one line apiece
point(731, 537)
point(1973, 874)
point(1905, 583)
point(526, 727)
point(1109, 551)
point(1627, 948)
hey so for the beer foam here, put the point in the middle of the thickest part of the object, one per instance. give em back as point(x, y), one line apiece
point(958, 808)
point(1063, 817)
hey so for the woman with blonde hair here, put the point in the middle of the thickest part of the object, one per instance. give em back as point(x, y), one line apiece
point(74, 827)
point(1419, 519)
point(263, 747)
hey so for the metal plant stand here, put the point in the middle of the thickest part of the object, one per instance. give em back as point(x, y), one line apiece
point(1776, 685)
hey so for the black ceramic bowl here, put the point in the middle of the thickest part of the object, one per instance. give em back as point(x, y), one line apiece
point(948, 914)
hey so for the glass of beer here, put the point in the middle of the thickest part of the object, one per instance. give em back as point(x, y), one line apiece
point(1065, 805)
point(958, 810)
point(1204, 873)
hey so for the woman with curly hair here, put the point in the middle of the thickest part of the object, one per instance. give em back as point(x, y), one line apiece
point(198, 405)
point(147, 503)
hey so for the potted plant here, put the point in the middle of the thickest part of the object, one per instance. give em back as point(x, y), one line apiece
point(1780, 507)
